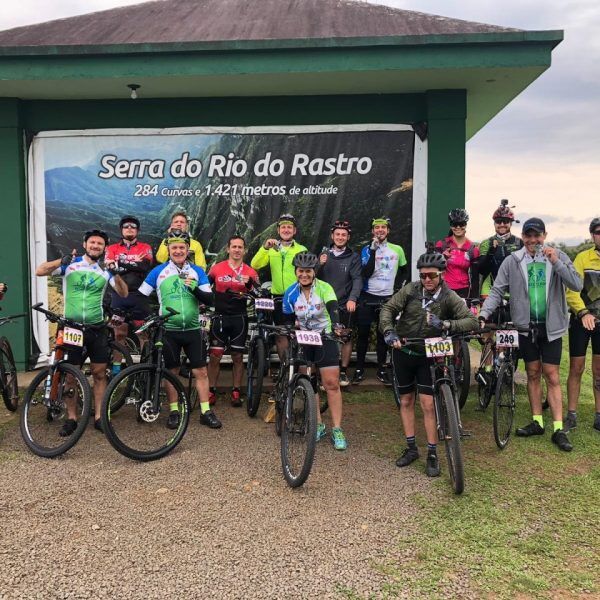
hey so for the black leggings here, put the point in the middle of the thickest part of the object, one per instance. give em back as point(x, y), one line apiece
point(362, 344)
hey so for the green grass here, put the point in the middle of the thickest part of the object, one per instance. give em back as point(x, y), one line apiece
point(527, 524)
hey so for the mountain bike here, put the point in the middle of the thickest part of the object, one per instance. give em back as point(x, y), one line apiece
point(9, 386)
point(55, 392)
point(295, 406)
point(135, 407)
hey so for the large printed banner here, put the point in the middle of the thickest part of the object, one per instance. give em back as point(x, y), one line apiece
point(228, 180)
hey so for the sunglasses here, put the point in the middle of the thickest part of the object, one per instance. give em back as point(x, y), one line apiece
point(424, 276)
point(502, 221)
point(597, 232)
point(456, 225)
point(129, 226)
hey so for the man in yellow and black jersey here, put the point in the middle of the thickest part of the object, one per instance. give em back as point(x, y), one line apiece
point(583, 327)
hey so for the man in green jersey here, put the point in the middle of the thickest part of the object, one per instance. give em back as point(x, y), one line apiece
point(84, 283)
point(536, 277)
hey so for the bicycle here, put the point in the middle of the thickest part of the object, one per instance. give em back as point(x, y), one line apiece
point(135, 407)
point(295, 407)
point(439, 352)
point(54, 390)
point(9, 386)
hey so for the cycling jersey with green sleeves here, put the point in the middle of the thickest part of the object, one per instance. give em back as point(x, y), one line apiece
point(283, 273)
point(311, 313)
point(167, 279)
point(388, 259)
point(83, 290)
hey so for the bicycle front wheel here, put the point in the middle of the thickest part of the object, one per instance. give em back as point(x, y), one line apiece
point(298, 432)
point(504, 405)
point(46, 408)
point(8, 376)
point(256, 370)
point(462, 372)
point(452, 439)
point(140, 428)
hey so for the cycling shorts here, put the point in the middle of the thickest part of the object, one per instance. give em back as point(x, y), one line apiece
point(229, 331)
point(327, 355)
point(95, 343)
point(193, 344)
point(410, 369)
point(539, 348)
point(136, 305)
point(368, 308)
point(579, 338)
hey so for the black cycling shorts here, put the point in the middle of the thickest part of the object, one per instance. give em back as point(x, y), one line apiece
point(136, 305)
point(539, 348)
point(193, 344)
point(229, 331)
point(95, 342)
point(579, 338)
point(327, 355)
point(410, 369)
point(368, 307)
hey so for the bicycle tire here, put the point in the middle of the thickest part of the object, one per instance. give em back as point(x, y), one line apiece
point(255, 374)
point(38, 420)
point(8, 376)
point(139, 433)
point(452, 439)
point(504, 405)
point(126, 356)
point(299, 431)
point(485, 392)
point(462, 373)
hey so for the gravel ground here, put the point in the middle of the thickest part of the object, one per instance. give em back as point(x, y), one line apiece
point(213, 519)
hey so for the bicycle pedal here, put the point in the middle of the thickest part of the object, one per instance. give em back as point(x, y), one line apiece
point(465, 434)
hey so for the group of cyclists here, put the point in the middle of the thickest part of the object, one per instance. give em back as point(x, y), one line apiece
point(336, 290)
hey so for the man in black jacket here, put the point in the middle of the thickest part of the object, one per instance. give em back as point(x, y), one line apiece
point(341, 268)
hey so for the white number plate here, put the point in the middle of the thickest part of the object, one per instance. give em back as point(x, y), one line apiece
point(309, 338)
point(204, 321)
point(507, 338)
point(435, 347)
point(264, 304)
point(73, 337)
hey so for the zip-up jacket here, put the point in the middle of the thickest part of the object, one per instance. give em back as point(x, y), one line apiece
point(587, 264)
point(343, 274)
point(512, 278)
point(283, 273)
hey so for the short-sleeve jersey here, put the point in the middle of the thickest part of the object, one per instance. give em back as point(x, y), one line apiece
point(83, 290)
point(388, 259)
point(226, 278)
point(311, 313)
point(168, 282)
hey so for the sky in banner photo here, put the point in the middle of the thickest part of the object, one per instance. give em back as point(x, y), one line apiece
point(542, 151)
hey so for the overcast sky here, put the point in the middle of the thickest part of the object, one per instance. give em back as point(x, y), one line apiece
point(542, 151)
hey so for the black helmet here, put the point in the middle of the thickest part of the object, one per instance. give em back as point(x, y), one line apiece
point(305, 260)
point(129, 219)
point(458, 215)
point(286, 218)
point(381, 221)
point(178, 235)
point(595, 223)
point(433, 260)
point(342, 225)
point(95, 232)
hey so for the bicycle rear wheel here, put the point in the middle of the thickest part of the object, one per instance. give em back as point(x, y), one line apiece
point(504, 404)
point(485, 391)
point(255, 374)
point(462, 372)
point(298, 432)
point(43, 417)
point(8, 376)
point(136, 430)
point(452, 439)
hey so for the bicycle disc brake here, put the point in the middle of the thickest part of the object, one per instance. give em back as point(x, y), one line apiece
point(147, 412)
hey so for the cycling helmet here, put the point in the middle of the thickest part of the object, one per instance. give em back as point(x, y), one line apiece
point(595, 223)
point(95, 232)
point(178, 235)
point(305, 260)
point(129, 219)
point(458, 215)
point(433, 260)
point(286, 218)
point(341, 225)
point(381, 221)
point(503, 211)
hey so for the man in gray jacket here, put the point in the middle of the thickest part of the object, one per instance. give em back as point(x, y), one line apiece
point(536, 277)
point(341, 268)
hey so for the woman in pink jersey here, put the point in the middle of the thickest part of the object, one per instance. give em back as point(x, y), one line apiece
point(462, 256)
